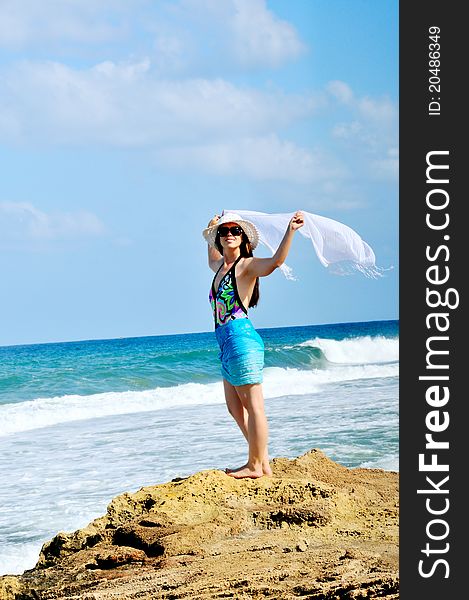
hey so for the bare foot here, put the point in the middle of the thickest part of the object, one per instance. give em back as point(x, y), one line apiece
point(266, 470)
point(245, 472)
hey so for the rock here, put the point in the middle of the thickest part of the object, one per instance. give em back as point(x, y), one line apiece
point(123, 556)
point(10, 587)
point(315, 528)
point(302, 546)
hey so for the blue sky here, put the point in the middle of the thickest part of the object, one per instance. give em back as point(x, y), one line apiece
point(125, 126)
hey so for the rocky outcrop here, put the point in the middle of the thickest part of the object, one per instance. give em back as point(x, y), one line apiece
point(315, 529)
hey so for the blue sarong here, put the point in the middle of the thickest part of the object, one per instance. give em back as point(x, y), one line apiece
point(241, 352)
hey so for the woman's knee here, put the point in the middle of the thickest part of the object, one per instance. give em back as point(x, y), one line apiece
point(233, 409)
point(251, 397)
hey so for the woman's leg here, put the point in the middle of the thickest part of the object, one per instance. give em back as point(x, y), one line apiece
point(241, 416)
point(255, 430)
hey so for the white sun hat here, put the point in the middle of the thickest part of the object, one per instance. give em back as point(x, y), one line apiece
point(210, 233)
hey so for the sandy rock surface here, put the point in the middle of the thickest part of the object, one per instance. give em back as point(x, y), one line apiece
point(315, 529)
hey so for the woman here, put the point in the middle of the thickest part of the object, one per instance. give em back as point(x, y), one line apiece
point(235, 288)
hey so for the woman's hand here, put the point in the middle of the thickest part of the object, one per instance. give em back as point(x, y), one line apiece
point(260, 267)
point(214, 221)
point(297, 221)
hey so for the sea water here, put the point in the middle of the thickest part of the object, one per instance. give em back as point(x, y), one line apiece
point(81, 422)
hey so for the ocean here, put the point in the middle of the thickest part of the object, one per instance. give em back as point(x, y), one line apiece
point(81, 422)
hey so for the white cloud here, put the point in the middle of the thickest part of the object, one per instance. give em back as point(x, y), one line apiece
point(126, 104)
point(170, 52)
point(347, 130)
point(372, 130)
point(132, 104)
point(341, 91)
point(380, 112)
point(260, 158)
point(230, 32)
point(188, 122)
point(23, 221)
point(186, 32)
point(25, 22)
point(259, 37)
point(387, 167)
point(209, 124)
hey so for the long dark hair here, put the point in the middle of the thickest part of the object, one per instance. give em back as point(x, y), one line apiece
point(246, 251)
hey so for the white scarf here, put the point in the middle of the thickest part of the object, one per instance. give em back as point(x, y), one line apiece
point(338, 247)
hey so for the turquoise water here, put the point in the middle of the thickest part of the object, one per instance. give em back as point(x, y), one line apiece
point(83, 421)
point(91, 367)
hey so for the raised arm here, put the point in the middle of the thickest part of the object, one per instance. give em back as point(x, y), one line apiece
point(214, 257)
point(260, 267)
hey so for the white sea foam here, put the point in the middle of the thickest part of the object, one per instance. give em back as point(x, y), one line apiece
point(362, 350)
point(388, 463)
point(16, 558)
point(45, 412)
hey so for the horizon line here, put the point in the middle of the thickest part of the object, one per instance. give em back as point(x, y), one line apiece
point(132, 337)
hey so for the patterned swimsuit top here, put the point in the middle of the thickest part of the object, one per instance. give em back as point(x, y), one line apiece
point(226, 303)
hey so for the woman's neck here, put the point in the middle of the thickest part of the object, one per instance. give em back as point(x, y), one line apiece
point(230, 255)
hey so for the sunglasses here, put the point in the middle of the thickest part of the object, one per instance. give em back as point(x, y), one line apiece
point(235, 230)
